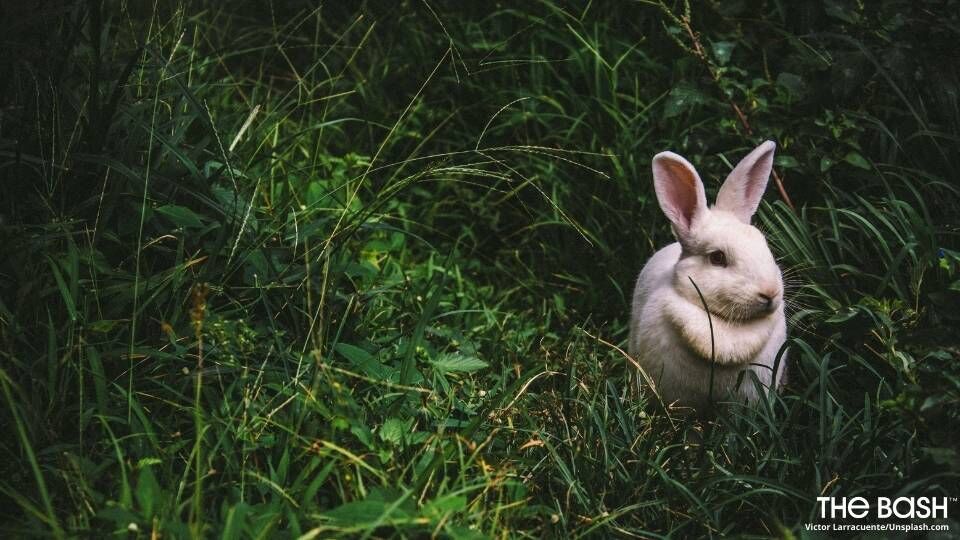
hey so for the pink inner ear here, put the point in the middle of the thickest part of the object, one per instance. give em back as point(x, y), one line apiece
point(682, 191)
point(742, 190)
point(757, 178)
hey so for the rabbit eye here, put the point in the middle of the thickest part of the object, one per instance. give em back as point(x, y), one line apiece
point(718, 258)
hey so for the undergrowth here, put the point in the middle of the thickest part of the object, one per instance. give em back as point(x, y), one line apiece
point(364, 270)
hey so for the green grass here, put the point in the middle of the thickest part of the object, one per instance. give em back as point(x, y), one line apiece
point(364, 271)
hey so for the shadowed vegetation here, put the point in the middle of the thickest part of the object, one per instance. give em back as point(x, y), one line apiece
point(363, 269)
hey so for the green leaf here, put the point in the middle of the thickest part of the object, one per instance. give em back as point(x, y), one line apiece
point(447, 363)
point(181, 216)
point(393, 430)
point(722, 50)
point(450, 503)
point(365, 362)
point(681, 99)
point(362, 432)
point(99, 379)
point(787, 162)
point(148, 492)
point(858, 161)
point(315, 193)
point(358, 512)
point(354, 354)
point(378, 507)
point(64, 290)
point(843, 315)
point(233, 530)
point(104, 325)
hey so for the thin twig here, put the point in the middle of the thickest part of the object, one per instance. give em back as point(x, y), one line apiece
point(700, 53)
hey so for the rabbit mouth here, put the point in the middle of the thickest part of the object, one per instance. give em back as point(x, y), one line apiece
point(739, 313)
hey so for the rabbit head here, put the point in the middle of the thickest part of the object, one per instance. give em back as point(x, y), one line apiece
point(721, 251)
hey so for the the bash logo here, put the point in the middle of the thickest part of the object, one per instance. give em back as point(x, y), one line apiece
point(900, 507)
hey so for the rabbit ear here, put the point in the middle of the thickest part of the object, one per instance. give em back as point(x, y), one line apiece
point(741, 192)
point(679, 191)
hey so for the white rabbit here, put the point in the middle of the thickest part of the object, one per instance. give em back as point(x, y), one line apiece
point(730, 262)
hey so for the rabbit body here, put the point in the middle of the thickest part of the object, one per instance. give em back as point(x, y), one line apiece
point(728, 259)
